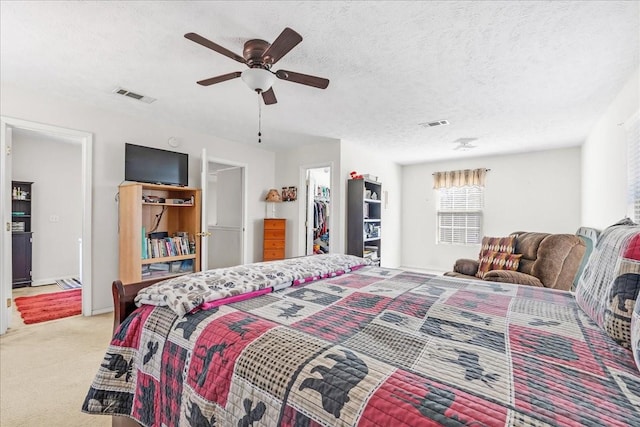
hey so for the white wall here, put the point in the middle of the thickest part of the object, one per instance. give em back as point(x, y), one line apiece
point(111, 130)
point(359, 158)
point(604, 160)
point(537, 191)
point(55, 168)
point(290, 165)
point(321, 177)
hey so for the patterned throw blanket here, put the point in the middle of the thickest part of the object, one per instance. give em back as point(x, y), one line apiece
point(372, 347)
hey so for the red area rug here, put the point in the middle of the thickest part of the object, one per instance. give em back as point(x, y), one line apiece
point(56, 305)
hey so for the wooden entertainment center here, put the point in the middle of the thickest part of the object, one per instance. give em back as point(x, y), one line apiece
point(173, 213)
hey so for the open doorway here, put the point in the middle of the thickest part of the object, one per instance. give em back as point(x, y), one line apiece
point(55, 201)
point(224, 198)
point(318, 203)
point(67, 156)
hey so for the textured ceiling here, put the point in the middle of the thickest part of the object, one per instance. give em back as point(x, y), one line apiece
point(516, 75)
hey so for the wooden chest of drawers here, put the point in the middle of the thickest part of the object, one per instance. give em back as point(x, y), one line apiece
point(274, 238)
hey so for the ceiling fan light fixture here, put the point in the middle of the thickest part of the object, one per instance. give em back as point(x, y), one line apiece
point(258, 79)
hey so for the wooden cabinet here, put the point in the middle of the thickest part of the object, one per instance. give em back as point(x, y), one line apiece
point(155, 222)
point(21, 235)
point(274, 239)
point(364, 219)
point(21, 259)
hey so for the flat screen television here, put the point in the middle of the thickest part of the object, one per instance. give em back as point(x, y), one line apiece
point(156, 166)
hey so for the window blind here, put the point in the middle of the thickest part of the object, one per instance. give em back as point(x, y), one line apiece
point(633, 167)
point(460, 215)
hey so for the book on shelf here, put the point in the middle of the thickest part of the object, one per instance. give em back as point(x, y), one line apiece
point(186, 266)
point(370, 252)
point(159, 266)
point(144, 243)
point(167, 247)
point(146, 270)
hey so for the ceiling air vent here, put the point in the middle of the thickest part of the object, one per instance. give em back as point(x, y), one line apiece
point(434, 124)
point(125, 92)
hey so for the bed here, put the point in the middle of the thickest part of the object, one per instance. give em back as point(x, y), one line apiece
point(327, 340)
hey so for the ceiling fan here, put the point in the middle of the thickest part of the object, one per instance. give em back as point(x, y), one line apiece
point(464, 144)
point(260, 56)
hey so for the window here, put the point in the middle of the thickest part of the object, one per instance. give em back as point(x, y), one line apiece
point(633, 164)
point(460, 214)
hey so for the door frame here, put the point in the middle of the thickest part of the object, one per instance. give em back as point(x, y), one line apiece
point(7, 124)
point(302, 207)
point(245, 179)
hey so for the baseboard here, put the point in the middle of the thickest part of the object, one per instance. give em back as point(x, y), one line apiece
point(43, 282)
point(102, 311)
point(49, 281)
point(427, 270)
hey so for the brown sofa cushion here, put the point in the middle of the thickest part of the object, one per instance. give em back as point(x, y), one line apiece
point(559, 256)
point(468, 267)
point(527, 244)
point(507, 276)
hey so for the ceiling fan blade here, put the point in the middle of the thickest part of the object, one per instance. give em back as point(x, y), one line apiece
point(304, 79)
point(216, 47)
point(219, 79)
point(286, 41)
point(269, 97)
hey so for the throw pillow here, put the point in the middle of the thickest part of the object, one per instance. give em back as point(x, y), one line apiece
point(606, 302)
point(635, 334)
point(505, 245)
point(492, 260)
point(623, 295)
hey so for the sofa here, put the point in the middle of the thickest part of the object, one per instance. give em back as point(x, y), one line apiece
point(547, 260)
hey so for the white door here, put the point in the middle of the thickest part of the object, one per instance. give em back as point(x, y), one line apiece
point(204, 233)
point(5, 239)
point(226, 243)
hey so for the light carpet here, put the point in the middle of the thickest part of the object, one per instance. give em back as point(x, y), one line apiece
point(46, 370)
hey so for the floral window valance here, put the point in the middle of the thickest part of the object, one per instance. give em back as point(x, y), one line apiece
point(459, 178)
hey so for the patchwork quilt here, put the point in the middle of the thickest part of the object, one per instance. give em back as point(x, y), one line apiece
point(371, 347)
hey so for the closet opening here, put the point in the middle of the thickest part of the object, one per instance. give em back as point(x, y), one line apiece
point(318, 201)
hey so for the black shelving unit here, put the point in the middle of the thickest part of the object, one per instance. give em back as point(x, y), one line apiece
point(364, 219)
point(21, 234)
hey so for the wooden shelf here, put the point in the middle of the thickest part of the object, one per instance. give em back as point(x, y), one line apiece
point(136, 215)
point(186, 205)
point(167, 259)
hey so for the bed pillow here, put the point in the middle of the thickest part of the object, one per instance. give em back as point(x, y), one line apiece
point(590, 237)
point(604, 293)
point(635, 334)
point(185, 293)
point(505, 245)
point(623, 294)
point(492, 260)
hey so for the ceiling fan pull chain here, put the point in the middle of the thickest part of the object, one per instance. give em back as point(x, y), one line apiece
point(259, 120)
